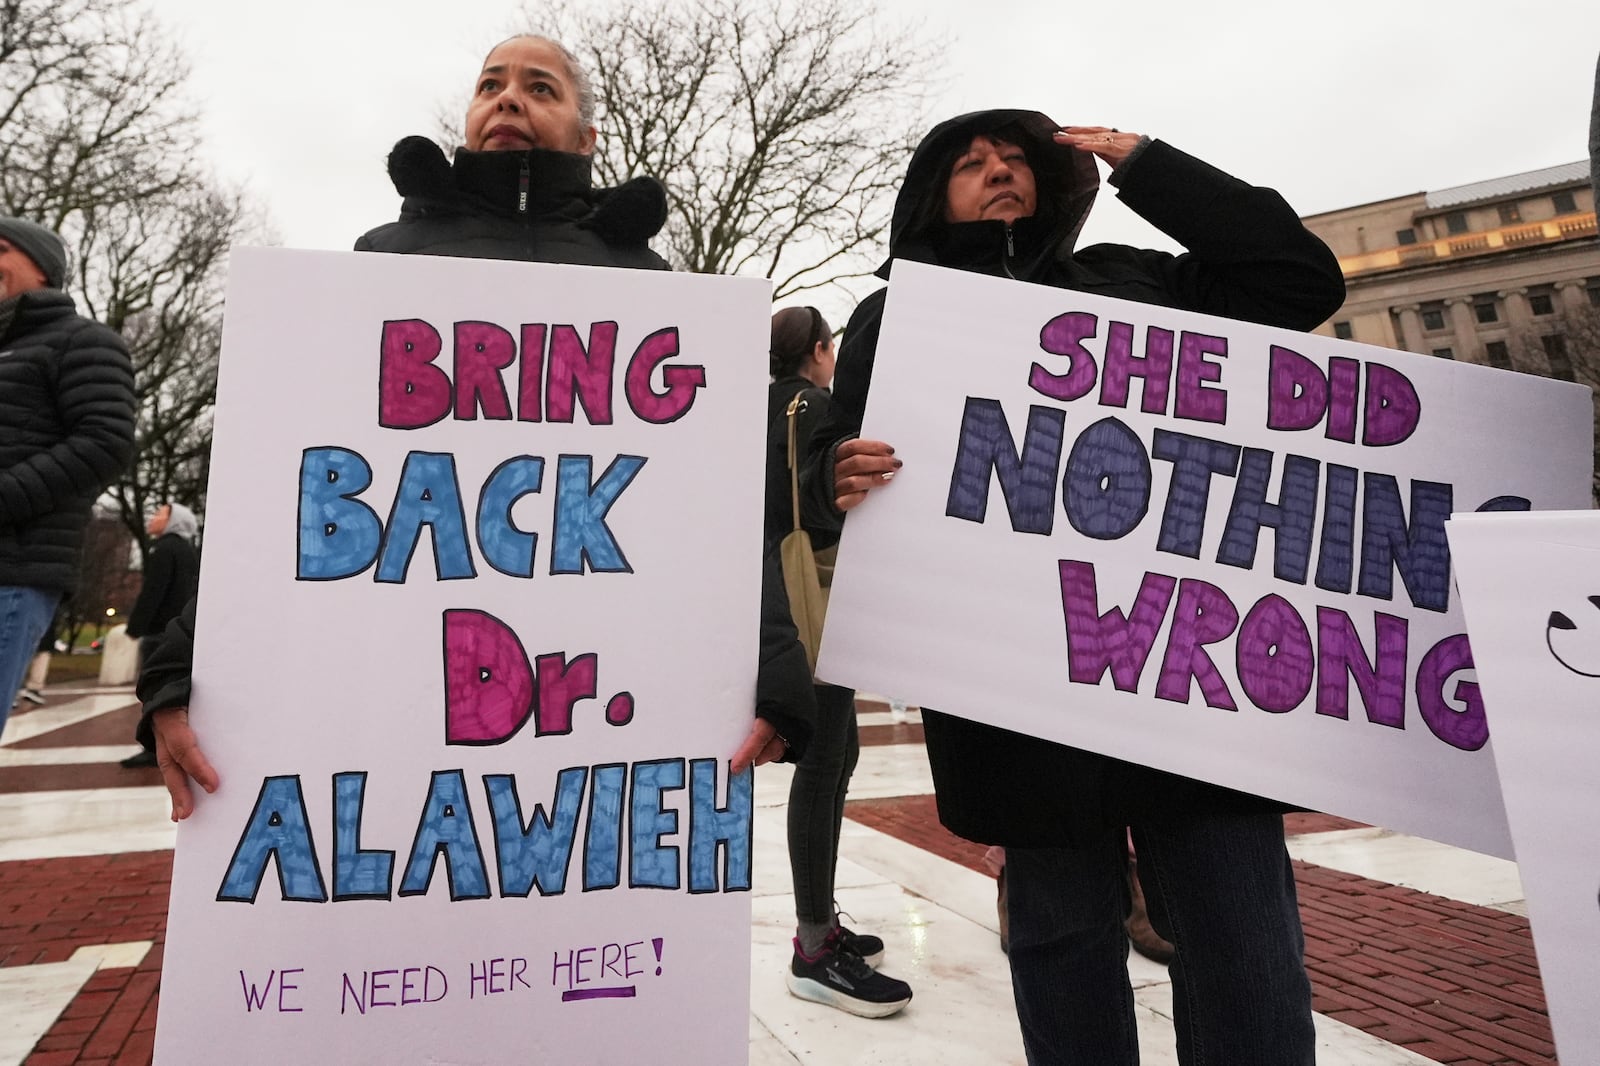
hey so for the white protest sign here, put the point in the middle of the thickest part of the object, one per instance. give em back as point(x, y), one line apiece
point(1202, 545)
point(477, 634)
point(1531, 588)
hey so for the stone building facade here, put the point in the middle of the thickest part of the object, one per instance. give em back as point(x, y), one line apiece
point(1504, 272)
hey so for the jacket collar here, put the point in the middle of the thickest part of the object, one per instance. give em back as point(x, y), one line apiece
point(27, 309)
point(533, 185)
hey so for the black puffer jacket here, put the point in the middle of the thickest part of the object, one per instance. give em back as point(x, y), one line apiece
point(1249, 258)
point(66, 432)
point(537, 206)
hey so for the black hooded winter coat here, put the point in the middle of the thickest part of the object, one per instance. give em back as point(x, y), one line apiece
point(1248, 258)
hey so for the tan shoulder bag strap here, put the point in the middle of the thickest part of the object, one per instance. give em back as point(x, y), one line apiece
point(796, 405)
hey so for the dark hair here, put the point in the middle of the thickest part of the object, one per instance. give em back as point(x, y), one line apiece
point(796, 332)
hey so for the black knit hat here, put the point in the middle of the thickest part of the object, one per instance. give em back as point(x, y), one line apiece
point(40, 245)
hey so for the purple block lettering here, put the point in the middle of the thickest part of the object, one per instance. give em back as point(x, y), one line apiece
point(1463, 727)
point(1195, 400)
point(1381, 680)
point(1064, 335)
point(1203, 615)
point(1276, 660)
point(1099, 642)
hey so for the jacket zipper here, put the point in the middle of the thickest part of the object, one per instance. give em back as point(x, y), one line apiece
point(522, 188)
point(1011, 251)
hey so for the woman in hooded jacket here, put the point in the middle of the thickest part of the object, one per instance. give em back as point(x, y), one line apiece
point(1006, 193)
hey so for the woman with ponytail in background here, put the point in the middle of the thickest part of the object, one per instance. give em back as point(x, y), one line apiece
point(831, 963)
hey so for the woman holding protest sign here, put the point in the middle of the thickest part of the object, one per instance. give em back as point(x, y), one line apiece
point(519, 189)
point(831, 963)
point(1005, 193)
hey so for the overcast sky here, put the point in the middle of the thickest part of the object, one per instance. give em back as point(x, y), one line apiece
point(1331, 104)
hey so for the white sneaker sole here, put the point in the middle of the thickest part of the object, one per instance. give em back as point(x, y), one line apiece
point(806, 988)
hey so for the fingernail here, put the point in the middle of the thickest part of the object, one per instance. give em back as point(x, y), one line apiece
point(898, 464)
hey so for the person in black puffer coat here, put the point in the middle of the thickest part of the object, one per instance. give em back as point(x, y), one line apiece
point(519, 189)
point(1005, 193)
point(66, 432)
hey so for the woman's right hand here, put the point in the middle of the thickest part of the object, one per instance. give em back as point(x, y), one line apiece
point(858, 467)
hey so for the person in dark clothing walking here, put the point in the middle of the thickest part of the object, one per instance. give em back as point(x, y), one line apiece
point(171, 578)
point(1005, 193)
point(520, 189)
point(801, 362)
point(66, 432)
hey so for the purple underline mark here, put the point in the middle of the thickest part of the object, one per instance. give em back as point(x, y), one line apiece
point(627, 992)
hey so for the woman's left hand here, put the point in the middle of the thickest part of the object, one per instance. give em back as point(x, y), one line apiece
point(1109, 144)
point(762, 745)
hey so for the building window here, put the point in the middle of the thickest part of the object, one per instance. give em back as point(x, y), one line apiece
point(1483, 307)
point(1455, 222)
point(1444, 353)
point(1509, 214)
point(1540, 303)
point(1565, 204)
point(1432, 319)
point(1342, 331)
point(1498, 356)
point(1555, 349)
point(1594, 292)
point(1405, 236)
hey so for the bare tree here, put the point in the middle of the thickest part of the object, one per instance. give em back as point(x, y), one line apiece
point(98, 141)
point(780, 129)
point(1565, 345)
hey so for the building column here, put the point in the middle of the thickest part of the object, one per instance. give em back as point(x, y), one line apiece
point(1573, 296)
point(1465, 328)
point(1411, 328)
point(1518, 316)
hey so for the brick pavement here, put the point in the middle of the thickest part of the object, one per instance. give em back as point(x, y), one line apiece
point(1451, 981)
point(1454, 982)
point(49, 908)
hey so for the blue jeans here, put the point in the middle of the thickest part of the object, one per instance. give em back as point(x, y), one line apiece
point(816, 803)
point(25, 614)
point(1220, 888)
